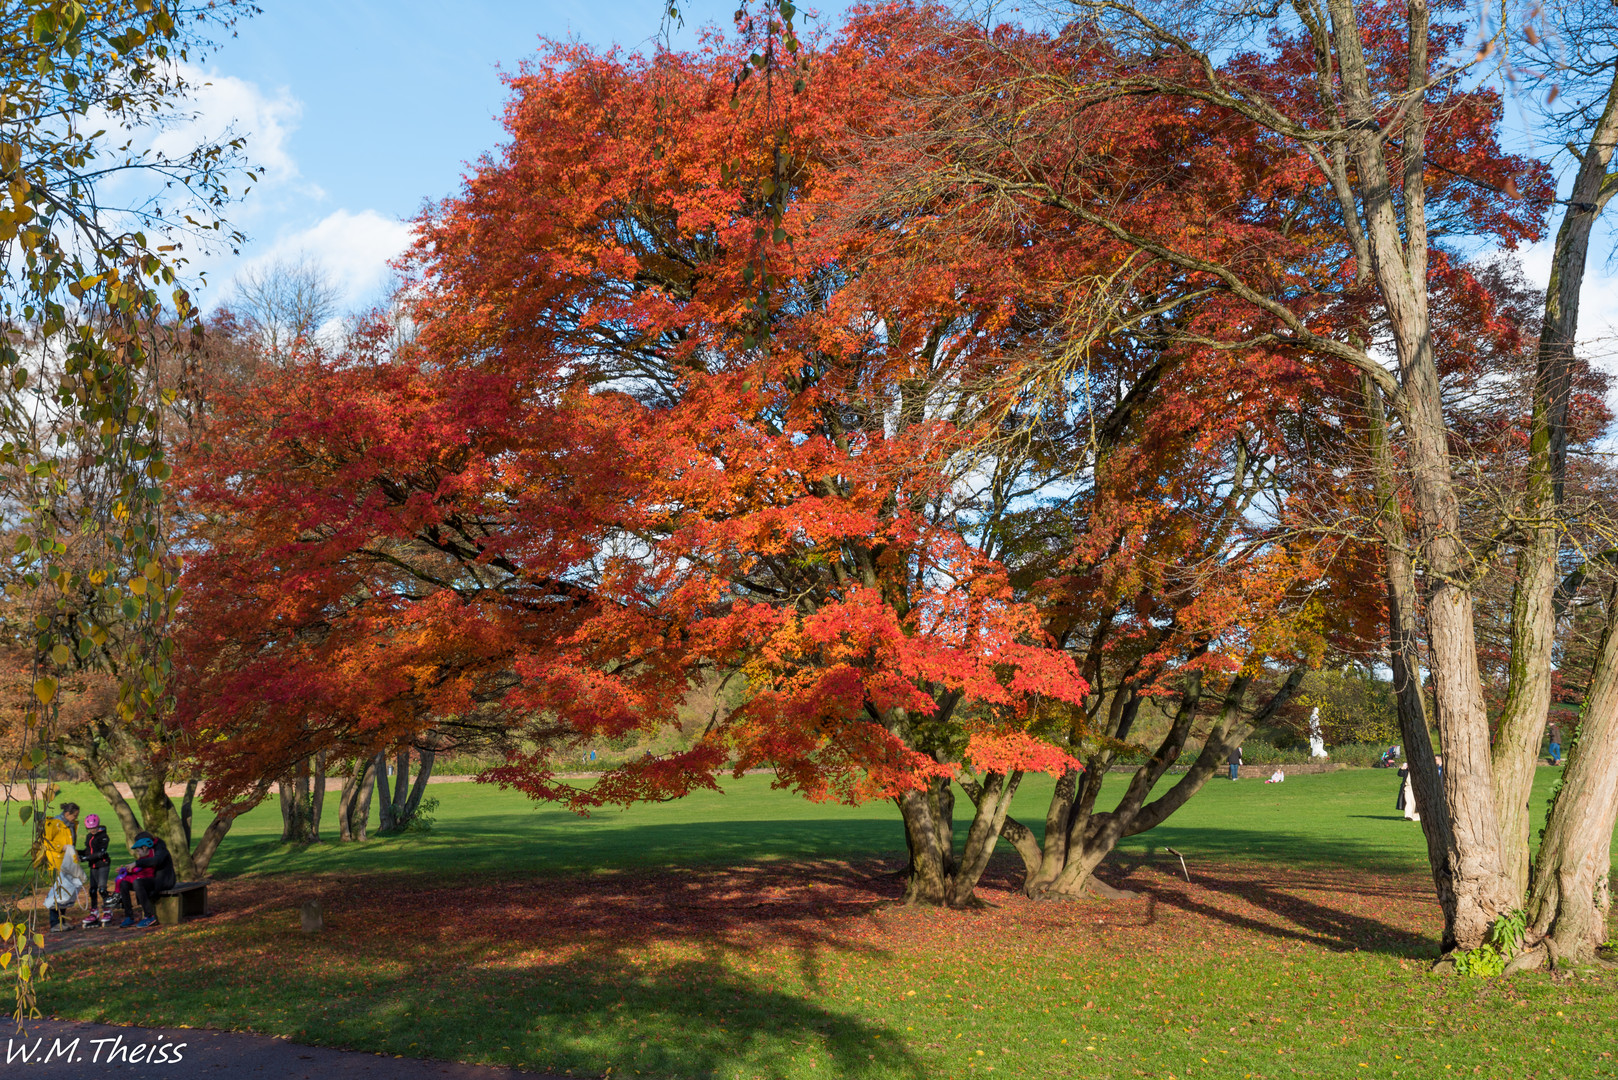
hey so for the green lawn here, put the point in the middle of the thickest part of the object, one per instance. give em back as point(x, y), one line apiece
point(750, 935)
point(1335, 819)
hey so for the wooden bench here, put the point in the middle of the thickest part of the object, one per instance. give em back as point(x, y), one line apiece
point(186, 900)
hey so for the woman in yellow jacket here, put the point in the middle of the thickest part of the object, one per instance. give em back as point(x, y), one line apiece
point(57, 854)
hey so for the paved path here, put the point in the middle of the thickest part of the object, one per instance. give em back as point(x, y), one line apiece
point(198, 1054)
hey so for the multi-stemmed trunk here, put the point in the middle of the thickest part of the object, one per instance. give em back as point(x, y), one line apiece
point(303, 797)
point(397, 807)
point(354, 801)
point(929, 821)
point(1078, 839)
point(106, 748)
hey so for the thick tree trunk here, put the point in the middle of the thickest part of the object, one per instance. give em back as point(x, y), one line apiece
point(162, 819)
point(1483, 893)
point(1394, 217)
point(384, 797)
point(1571, 893)
point(212, 837)
point(1404, 658)
point(288, 797)
point(345, 809)
point(930, 835)
point(1522, 721)
point(1043, 863)
point(297, 801)
point(347, 797)
point(214, 834)
point(108, 787)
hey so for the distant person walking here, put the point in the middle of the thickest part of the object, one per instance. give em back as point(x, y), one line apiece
point(1407, 795)
point(1555, 731)
point(1235, 760)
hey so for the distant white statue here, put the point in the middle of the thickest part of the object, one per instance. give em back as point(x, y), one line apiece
point(1317, 745)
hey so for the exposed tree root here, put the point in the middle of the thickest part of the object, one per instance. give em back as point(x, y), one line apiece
point(1100, 888)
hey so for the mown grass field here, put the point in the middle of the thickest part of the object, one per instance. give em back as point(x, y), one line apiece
point(751, 934)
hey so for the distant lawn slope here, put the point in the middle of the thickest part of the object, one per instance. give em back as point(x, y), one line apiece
point(1334, 819)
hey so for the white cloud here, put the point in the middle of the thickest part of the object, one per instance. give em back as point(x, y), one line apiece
point(223, 106)
point(353, 246)
point(354, 249)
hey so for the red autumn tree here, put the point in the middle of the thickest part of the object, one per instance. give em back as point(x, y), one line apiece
point(661, 426)
point(694, 400)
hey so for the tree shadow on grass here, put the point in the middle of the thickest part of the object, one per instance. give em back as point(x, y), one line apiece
point(1387, 851)
point(685, 973)
point(553, 842)
point(1366, 912)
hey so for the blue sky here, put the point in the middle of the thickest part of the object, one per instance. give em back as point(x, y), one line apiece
point(361, 110)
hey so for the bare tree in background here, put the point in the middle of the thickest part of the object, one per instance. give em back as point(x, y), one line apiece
point(284, 303)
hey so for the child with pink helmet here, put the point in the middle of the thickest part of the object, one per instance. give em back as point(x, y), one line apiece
point(97, 861)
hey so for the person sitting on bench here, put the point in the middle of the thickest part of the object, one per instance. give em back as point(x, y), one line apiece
point(151, 854)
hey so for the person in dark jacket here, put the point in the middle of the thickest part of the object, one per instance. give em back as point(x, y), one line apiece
point(97, 863)
point(151, 855)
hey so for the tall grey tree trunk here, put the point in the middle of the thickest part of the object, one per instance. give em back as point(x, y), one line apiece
point(1393, 208)
point(1404, 658)
point(1571, 893)
point(1533, 609)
